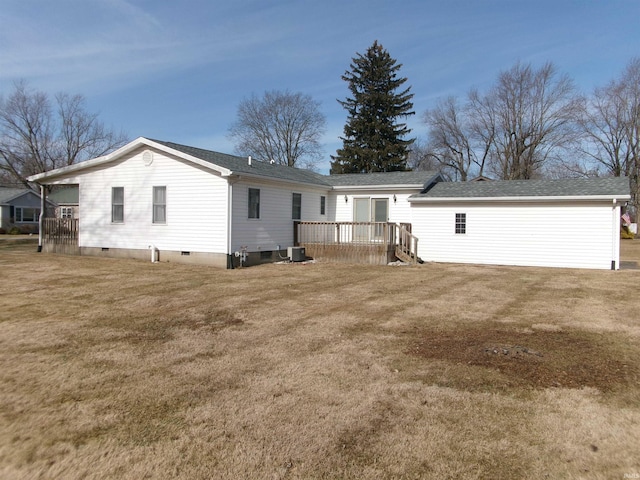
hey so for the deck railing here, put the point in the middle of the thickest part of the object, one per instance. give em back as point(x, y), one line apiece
point(60, 231)
point(359, 234)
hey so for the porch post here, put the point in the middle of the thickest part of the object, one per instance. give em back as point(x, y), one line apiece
point(43, 204)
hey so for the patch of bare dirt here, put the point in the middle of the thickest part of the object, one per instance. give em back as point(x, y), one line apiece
point(534, 358)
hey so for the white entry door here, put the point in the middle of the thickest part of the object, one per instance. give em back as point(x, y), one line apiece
point(362, 217)
point(380, 215)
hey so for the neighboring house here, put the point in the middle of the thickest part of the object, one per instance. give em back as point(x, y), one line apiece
point(19, 207)
point(192, 205)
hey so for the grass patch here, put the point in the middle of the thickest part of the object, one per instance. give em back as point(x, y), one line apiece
point(126, 369)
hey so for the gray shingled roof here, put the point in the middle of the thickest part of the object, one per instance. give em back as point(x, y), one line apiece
point(382, 178)
point(240, 165)
point(618, 186)
point(9, 193)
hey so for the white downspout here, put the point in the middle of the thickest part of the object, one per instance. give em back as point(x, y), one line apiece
point(615, 259)
point(229, 217)
point(43, 203)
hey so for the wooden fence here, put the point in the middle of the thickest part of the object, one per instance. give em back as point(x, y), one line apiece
point(60, 231)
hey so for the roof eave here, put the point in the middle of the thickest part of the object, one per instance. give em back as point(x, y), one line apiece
point(521, 199)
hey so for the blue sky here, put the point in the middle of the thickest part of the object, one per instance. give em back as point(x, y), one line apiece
point(177, 70)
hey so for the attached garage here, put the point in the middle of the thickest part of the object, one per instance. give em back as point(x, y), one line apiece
point(552, 223)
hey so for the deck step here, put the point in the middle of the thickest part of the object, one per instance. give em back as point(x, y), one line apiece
point(407, 257)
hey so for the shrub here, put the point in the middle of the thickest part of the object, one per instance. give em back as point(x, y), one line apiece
point(27, 229)
point(14, 231)
point(2, 231)
point(626, 234)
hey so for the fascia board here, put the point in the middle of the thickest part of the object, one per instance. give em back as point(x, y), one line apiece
point(530, 199)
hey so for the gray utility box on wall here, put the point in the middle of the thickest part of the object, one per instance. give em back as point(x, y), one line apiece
point(296, 254)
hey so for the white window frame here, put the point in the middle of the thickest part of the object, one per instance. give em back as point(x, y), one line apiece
point(253, 209)
point(117, 206)
point(461, 224)
point(66, 212)
point(296, 207)
point(323, 205)
point(19, 214)
point(159, 206)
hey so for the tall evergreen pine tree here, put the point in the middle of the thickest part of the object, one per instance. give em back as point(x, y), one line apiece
point(373, 139)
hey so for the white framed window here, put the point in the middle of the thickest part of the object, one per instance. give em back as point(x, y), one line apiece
point(117, 205)
point(66, 212)
point(461, 223)
point(160, 205)
point(27, 214)
point(323, 205)
point(296, 206)
point(254, 203)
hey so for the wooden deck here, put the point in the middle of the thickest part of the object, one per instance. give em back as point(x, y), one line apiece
point(375, 243)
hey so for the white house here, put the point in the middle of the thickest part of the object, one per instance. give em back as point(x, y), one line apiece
point(192, 205)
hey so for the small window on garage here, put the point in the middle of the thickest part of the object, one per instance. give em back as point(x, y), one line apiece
point(461, 223)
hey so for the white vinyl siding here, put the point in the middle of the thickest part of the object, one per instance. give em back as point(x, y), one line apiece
point(555, 234)
point(196, 207)
point(276, 225)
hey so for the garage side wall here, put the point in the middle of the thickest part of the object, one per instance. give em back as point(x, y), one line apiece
point(576, 235)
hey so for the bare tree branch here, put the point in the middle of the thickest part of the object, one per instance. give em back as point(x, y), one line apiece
point(35, 139)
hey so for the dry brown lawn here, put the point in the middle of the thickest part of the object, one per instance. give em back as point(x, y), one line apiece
point(118, 369)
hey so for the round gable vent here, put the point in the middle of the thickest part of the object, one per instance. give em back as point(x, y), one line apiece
point(147, 157)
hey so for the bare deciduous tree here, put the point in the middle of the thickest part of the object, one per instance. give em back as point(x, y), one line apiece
point(281, 126)
point(611, 126)
point(420, 158)
point(515, 130)
point(34, 138)
point(532, 113)
point(455, 139)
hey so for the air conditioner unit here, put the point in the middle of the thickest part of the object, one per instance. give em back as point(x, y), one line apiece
point(296, 254)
